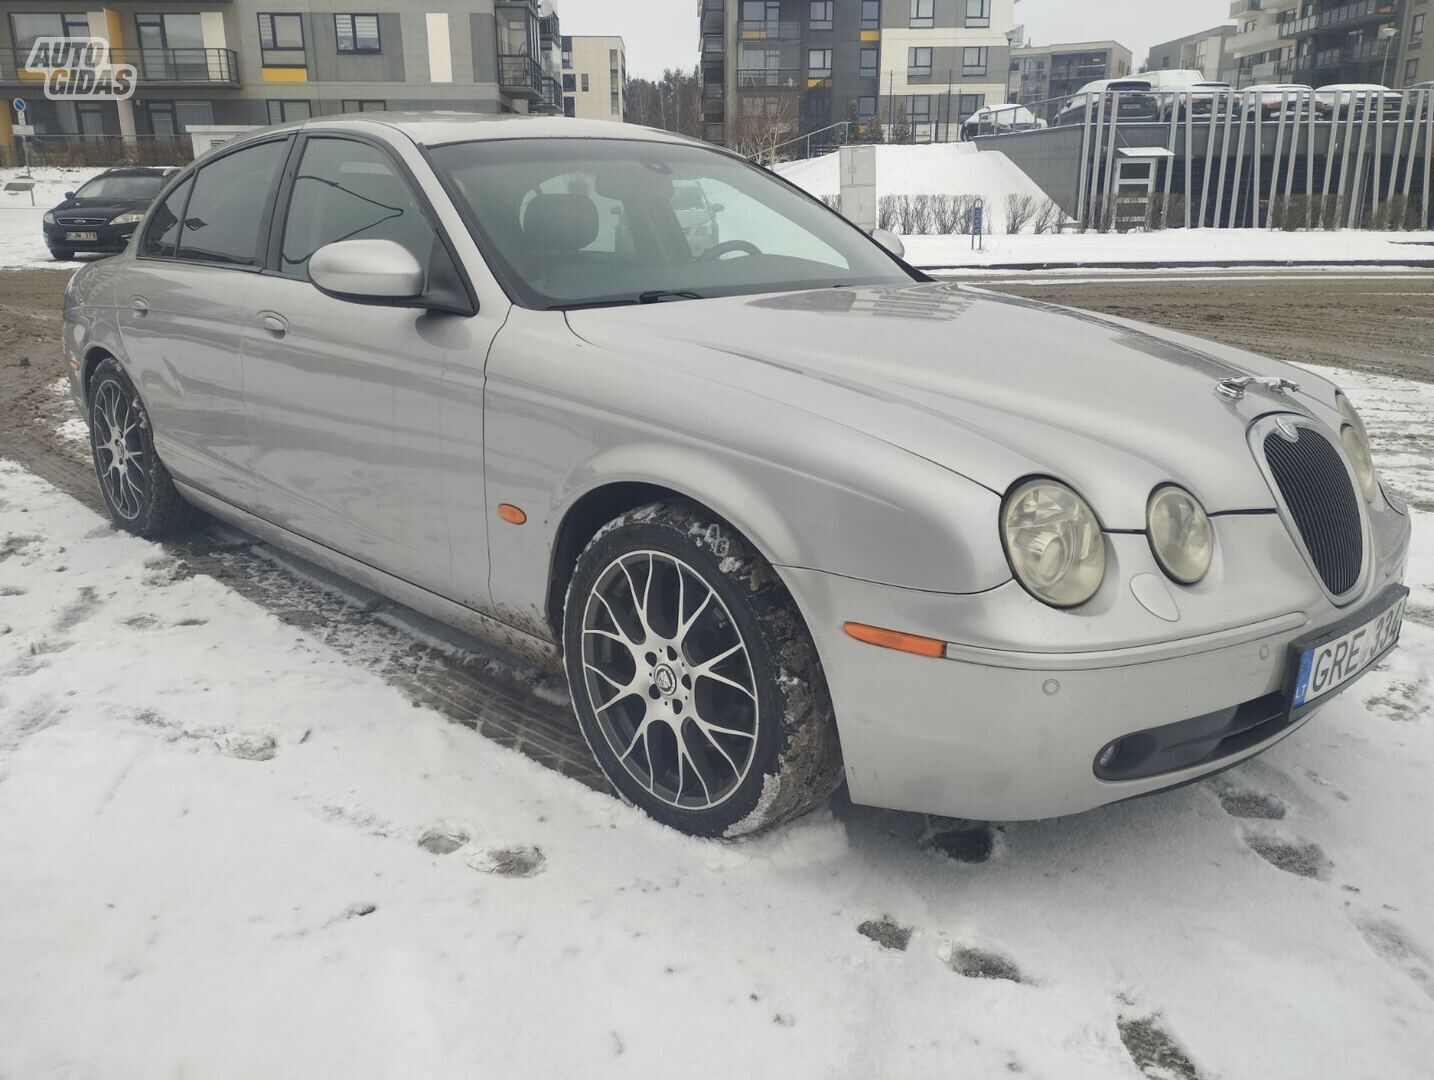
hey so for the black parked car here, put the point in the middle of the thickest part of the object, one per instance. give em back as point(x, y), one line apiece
point(104, 213)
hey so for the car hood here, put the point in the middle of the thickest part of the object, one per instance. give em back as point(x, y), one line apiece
point(99, 208)
point(993, 388)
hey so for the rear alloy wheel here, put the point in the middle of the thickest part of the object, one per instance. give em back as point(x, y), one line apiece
point(693, 677)
point(134, 483)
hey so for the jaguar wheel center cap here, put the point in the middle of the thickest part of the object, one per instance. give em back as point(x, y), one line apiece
point(665, 679)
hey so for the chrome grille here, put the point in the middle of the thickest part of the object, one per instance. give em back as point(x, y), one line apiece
point(1322, 504)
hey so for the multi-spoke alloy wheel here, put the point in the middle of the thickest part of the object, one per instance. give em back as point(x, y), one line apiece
point(134, 482)
point(693, 677)
point(669, 679)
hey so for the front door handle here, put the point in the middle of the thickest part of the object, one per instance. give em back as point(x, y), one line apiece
point(139, 305)
point(274, 323)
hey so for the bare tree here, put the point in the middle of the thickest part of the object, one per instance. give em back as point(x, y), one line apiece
point(1020, 209)
point(763, 124)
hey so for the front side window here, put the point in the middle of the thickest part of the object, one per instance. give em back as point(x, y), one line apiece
point(821, 15)
point(923, 14)
point(161, 236)
point(357, 34)
point(819, 63)
point(224, 220)
point(347, 190)
point(973, 61)
point(918, 61)
point(281, 40)
point(576, 222)
point(978, 13)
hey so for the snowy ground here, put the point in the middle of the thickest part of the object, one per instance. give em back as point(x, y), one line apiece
point(21, 241)
point(227, 850)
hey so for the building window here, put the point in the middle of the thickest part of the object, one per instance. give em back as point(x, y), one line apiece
point(363, 105)
point(570, 83)
point(970, 103)
point(171, 118)
point(587, 85)
point(978, 13)
point(567, 53)
point(1416, 32)
point(1411, 72)
point(923, 14)
point(973, 61)
point(570, 106)
point(820, 15)
point(918, 61)
point(865, 108)
point(24, 29)
point(357, 33)
point(281, 40)
point(281, 112)
point(918, 109)
point(759, 11)
point(871, 14)
point(819, 63)
point(869, 62)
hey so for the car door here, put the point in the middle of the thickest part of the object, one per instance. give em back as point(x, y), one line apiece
point(347, 402)
point(181, 307)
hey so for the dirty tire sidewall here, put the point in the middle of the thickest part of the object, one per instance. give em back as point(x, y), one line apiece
point(797, 763)
point(163, 510)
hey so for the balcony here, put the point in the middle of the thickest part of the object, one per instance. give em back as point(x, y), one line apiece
point(784, 30)
point(1348, 15)
point(1243, 7)
point(520, 76)
point(770, 78)
point(153, 67)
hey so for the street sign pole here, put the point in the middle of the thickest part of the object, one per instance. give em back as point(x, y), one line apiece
point(21, 106)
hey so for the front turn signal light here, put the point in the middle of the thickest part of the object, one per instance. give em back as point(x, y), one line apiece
point(895, 639)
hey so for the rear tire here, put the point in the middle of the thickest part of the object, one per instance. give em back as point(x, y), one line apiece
point(135, 485)
point(694, 678)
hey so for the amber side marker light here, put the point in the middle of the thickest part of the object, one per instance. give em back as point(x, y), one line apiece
point(895, 639)
point(511, 514)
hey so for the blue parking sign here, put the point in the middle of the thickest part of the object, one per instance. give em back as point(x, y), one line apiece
point(20, 105)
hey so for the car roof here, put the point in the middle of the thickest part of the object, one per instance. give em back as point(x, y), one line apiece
point(140, 170)
point(1355, 86)
point(442, 128)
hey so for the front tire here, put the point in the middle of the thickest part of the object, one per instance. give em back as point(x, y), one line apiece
point(135, 485)
point(62, 254)
point(694, 678)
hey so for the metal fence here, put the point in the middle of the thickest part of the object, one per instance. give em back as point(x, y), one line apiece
point(1291, 159)
point(98, 150)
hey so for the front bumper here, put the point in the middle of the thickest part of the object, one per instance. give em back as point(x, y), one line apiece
point(999, 733)
point(109, 238)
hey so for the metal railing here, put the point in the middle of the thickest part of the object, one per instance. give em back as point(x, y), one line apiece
point(770, 78)
point(771, 30)
point(214, 67)
point(520, 73)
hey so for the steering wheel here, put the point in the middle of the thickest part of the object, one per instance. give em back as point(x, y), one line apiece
point(726, 248)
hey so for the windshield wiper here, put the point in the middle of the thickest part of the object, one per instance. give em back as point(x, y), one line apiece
point(657, 296)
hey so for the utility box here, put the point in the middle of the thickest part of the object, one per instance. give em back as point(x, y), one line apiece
point(858, 186)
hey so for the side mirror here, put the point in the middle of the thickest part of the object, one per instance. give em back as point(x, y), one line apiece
point(69, 194)
point(716, 208)
point(890, 241)
point(367, 271)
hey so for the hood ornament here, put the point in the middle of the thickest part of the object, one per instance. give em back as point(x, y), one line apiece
point(1233, 389)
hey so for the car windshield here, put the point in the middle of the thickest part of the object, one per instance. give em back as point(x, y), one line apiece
point(587, 222)
point(133, 186)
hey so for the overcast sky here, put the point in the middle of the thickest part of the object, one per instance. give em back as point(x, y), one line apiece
point(663, 33)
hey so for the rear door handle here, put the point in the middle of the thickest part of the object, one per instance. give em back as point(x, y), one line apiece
point(139, 305)
point(274, 323)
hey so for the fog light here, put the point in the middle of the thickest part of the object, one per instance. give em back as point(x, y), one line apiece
point(1108, 755)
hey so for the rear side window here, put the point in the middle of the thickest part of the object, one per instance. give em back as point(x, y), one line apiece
point(347, 190)
point(226, 212)
point(161, 237)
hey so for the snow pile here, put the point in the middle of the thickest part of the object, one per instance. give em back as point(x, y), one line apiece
point(931, 169)
point(21, 241)
point(229, 850)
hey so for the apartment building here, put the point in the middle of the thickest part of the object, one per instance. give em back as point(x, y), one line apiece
point(1206, 52)
point(1052, 73)
point(594, 78)
point(790, 67)
point(1416, 49)
point(254, 62)
point(1319, 42)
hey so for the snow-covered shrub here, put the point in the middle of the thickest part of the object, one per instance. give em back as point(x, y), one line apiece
point(1020, 209)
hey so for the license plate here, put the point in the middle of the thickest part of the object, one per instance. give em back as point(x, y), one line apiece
point(82, 236)
point(1344, 653)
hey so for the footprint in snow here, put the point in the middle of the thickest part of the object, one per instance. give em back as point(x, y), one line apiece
point(1298, 857)
point(1155, 1053)
point(1243, 803)
point(983, 964)
point(247, 747)
point(886, 933)
point(514, 862)
point(80, 609)
point(443, 841)
point(1392, 944)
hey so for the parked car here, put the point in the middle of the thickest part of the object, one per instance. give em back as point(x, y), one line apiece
point(104, 213)
point(1357, 98)
point(1000, 120)
point(1125, 99)
point(1270, 101)
point(1186, 91)
point(787, 513)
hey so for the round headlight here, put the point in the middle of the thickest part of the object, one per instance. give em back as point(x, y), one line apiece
point(1054, 542)
point(1356, 445)
point(1180, 534)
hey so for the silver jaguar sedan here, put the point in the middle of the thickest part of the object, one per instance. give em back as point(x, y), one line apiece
point(788, 512)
